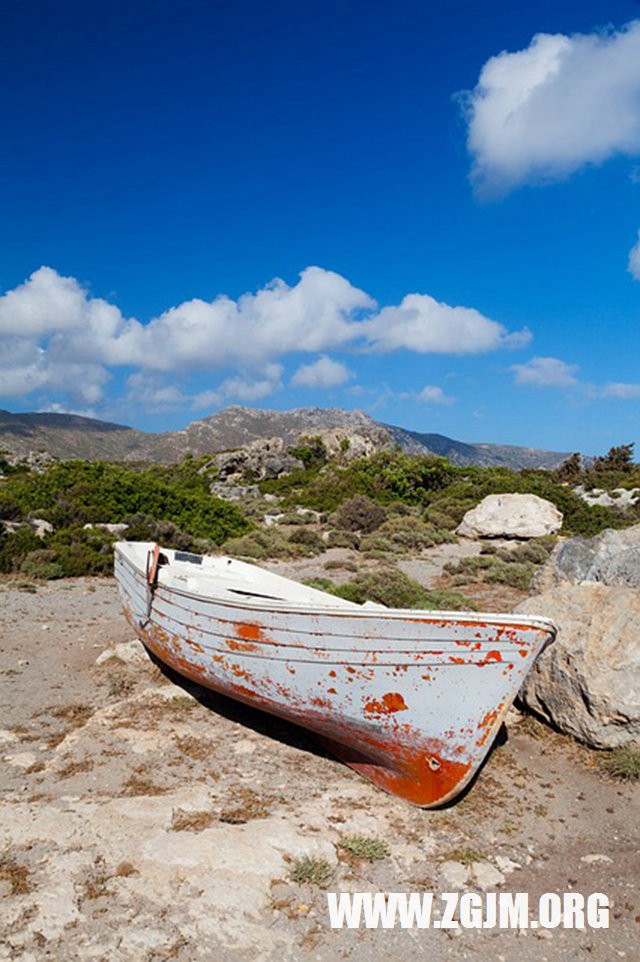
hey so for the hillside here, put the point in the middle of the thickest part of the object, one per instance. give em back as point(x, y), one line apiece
point(72, 436)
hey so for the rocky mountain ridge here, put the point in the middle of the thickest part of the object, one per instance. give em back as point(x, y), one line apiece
point(73, 436)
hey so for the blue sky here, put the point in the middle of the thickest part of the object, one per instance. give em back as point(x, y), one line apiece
point(464, 264)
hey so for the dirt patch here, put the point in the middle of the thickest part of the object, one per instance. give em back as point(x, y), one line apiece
point(191, 821)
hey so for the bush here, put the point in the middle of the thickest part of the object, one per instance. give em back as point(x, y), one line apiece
point(15, 546)
point(307, 538)
point(492, 569)
point(359, 514)
point(393, 589)
point(42, 564)
point(342, 539)
point(144, 528)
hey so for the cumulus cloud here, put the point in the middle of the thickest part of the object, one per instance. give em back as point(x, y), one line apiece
point(562, 102)
point(634, 259)
point(625, 392)
point(55, 337)
point(323, 373)
point(431, 394)
point(546, 372)
point(422, 324)
point(241, 388)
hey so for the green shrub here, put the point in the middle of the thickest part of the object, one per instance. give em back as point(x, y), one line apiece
point(377, 546)
point(308, 539)
point(492, 569)
point(311, 451)
point(42, 564)
point(393, 589)
point(342, 539)
point(15, 546)
point(359, 514)
point(166, 533)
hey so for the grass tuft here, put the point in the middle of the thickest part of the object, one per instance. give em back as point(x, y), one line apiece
point(623, 763)
point(366, 847)
point(311, 871)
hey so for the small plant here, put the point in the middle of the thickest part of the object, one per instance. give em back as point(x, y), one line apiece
point(466, 856)
point(366, 847)
point(394, 589)
point(623, 762)
point(311, 871)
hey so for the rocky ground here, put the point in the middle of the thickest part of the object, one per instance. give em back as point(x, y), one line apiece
point(145, 819)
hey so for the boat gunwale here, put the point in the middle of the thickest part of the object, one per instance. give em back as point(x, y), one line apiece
point(426, 615)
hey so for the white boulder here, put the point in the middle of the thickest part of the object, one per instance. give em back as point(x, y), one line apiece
point(511, 516)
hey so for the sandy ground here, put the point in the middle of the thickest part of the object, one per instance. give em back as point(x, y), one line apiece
point(145, 819)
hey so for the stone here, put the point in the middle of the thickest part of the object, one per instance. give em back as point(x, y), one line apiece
point(128, 652)
point(511, 516)
point(587, 683)
point(454, 874)
point(594, 858)
point(40, 527)
point(486, 875)
point(612, 557)
point(116, 529)
point(621, 498)
point(21, 759)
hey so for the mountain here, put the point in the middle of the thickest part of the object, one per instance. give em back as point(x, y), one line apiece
point(72, 436)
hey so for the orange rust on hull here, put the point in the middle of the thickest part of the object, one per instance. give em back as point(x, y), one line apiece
point(423, 776)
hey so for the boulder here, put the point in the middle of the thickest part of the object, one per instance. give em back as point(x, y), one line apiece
point(40, 527)
point(587, 683)
point(621, 498)
point(264, 459)
point(511, 516)
point(612, 558)
point(117, 529)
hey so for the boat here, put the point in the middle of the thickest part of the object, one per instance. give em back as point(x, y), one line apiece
point(410, 699)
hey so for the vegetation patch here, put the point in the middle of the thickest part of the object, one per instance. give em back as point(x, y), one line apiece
point(307, 870)
point(393, 589)
point(17, 875)
point(365, 847)
point(183, 821)
point(623, 763)
point(246, 807)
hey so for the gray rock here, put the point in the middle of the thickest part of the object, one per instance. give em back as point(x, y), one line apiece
point(486, 875)
point(621, 498)
point(454, 874)
point(511, 516)
point(588, 682)
point(612, 558)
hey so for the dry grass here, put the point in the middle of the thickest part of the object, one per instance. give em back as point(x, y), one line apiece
point(16, 875)
point(247, 806)
point(75, 768)
point(183, 821)
point(193, 747)
point(135, 785)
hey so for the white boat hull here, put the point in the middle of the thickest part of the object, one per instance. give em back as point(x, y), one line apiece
point(410, 699)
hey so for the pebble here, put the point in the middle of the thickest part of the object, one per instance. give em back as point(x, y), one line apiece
point(454, 874)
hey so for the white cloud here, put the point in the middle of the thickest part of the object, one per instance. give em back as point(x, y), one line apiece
point(241, 388)
point(323, 373)
point(618, 389)
point(420, 323)
point(634, 259)
point(562, 102)
point(546, 372)
point(56, 338)
point(431, 394)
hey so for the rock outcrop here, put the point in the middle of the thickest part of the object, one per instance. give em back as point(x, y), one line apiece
point(612, 558)
point(260, 460)
point(587, 683)
point(511, 516)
